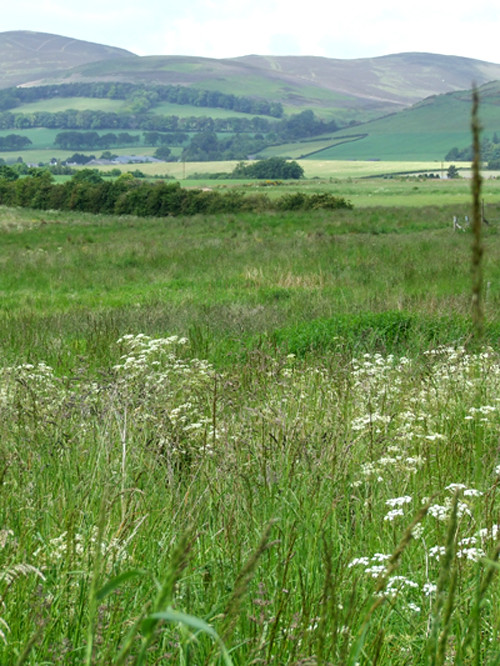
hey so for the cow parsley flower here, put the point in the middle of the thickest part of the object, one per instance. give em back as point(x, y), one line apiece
point(437, 552)
point(472, 554)
point(398, 501)
point(454, 487)
point(376, 570)
point(393, 514)
point(358, 560)
point(429, 588)
point(380, 557)
point(472, 492)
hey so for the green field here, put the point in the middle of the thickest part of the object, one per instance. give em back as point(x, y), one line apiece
point(322, 169)
point(55, 104)
point(43, 150)
point(252, 438)
point(41, 138)
point(361, 182)
point(389, 144)
point(426, 131)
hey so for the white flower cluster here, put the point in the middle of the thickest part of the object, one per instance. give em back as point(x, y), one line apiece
point(429, 589)
point(442, 512)
point(398, 501)
point(473, 554)
point(167, 394)
point(387, 465)
point(79, 547)
point(396, 504)
point(376, 567)
point(30, 386)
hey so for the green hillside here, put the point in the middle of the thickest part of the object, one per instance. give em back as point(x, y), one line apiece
point(407, 106)
point(235, 77)
point(356, 90)
point(56, 104)
point(428, 130)
point(359, 89)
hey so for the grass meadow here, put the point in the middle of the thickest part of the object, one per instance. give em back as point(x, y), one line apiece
point(263, 438)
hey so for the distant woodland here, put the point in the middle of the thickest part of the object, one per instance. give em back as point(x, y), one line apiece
point(141, 98)
point(200, 136)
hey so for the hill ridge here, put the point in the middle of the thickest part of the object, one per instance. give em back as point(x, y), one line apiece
point(359, 89)
point(26, 55)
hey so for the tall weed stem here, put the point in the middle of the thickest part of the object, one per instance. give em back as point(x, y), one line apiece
point(477, 245)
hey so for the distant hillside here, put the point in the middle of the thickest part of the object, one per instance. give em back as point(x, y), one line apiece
point(410, 106)
point(399, 79)
point(26, 56)
point(426, 131)
point(347, 90)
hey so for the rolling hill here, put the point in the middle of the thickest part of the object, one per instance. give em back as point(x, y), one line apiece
point(410, 106)
point(427, 130)
point(28, 56)
point(347, 90)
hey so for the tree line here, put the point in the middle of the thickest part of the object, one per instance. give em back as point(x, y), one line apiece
point(140, 97)
point(489, 150)
point(100, 120)
point(301, 125)
point(269, 169)
point(200, 136)
point(91, 140)
point(14, 142)
point(87, 191)
point(204, 146)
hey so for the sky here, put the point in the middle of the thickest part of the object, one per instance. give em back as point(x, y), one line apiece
point(229, 28)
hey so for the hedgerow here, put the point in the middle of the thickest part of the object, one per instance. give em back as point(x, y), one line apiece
point(87, 191)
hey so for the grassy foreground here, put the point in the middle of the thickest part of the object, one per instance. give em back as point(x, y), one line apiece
point(262, 439)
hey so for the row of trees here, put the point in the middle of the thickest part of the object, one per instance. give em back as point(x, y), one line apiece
point(160, 139)
point(71, 119)
point(92, 140)
point(88, 191)
point(300, 125)
point(14, 142)
point(208, 147)
point(490, 152)
point(141, 98)
point(206, 144)
point(273, 168)
point(105, 120)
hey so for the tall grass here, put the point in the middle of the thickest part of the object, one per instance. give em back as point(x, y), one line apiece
point(72, 285)
point(150, 516)
point(247, 440)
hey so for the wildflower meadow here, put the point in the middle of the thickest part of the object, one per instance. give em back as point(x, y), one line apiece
point(270, 439)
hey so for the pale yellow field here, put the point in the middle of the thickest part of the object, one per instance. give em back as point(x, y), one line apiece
point(312, 168)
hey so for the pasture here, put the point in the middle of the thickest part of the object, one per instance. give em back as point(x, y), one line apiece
point(263, 438)
point(53, 105)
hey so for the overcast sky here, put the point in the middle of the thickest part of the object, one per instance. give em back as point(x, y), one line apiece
point(228, 28)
